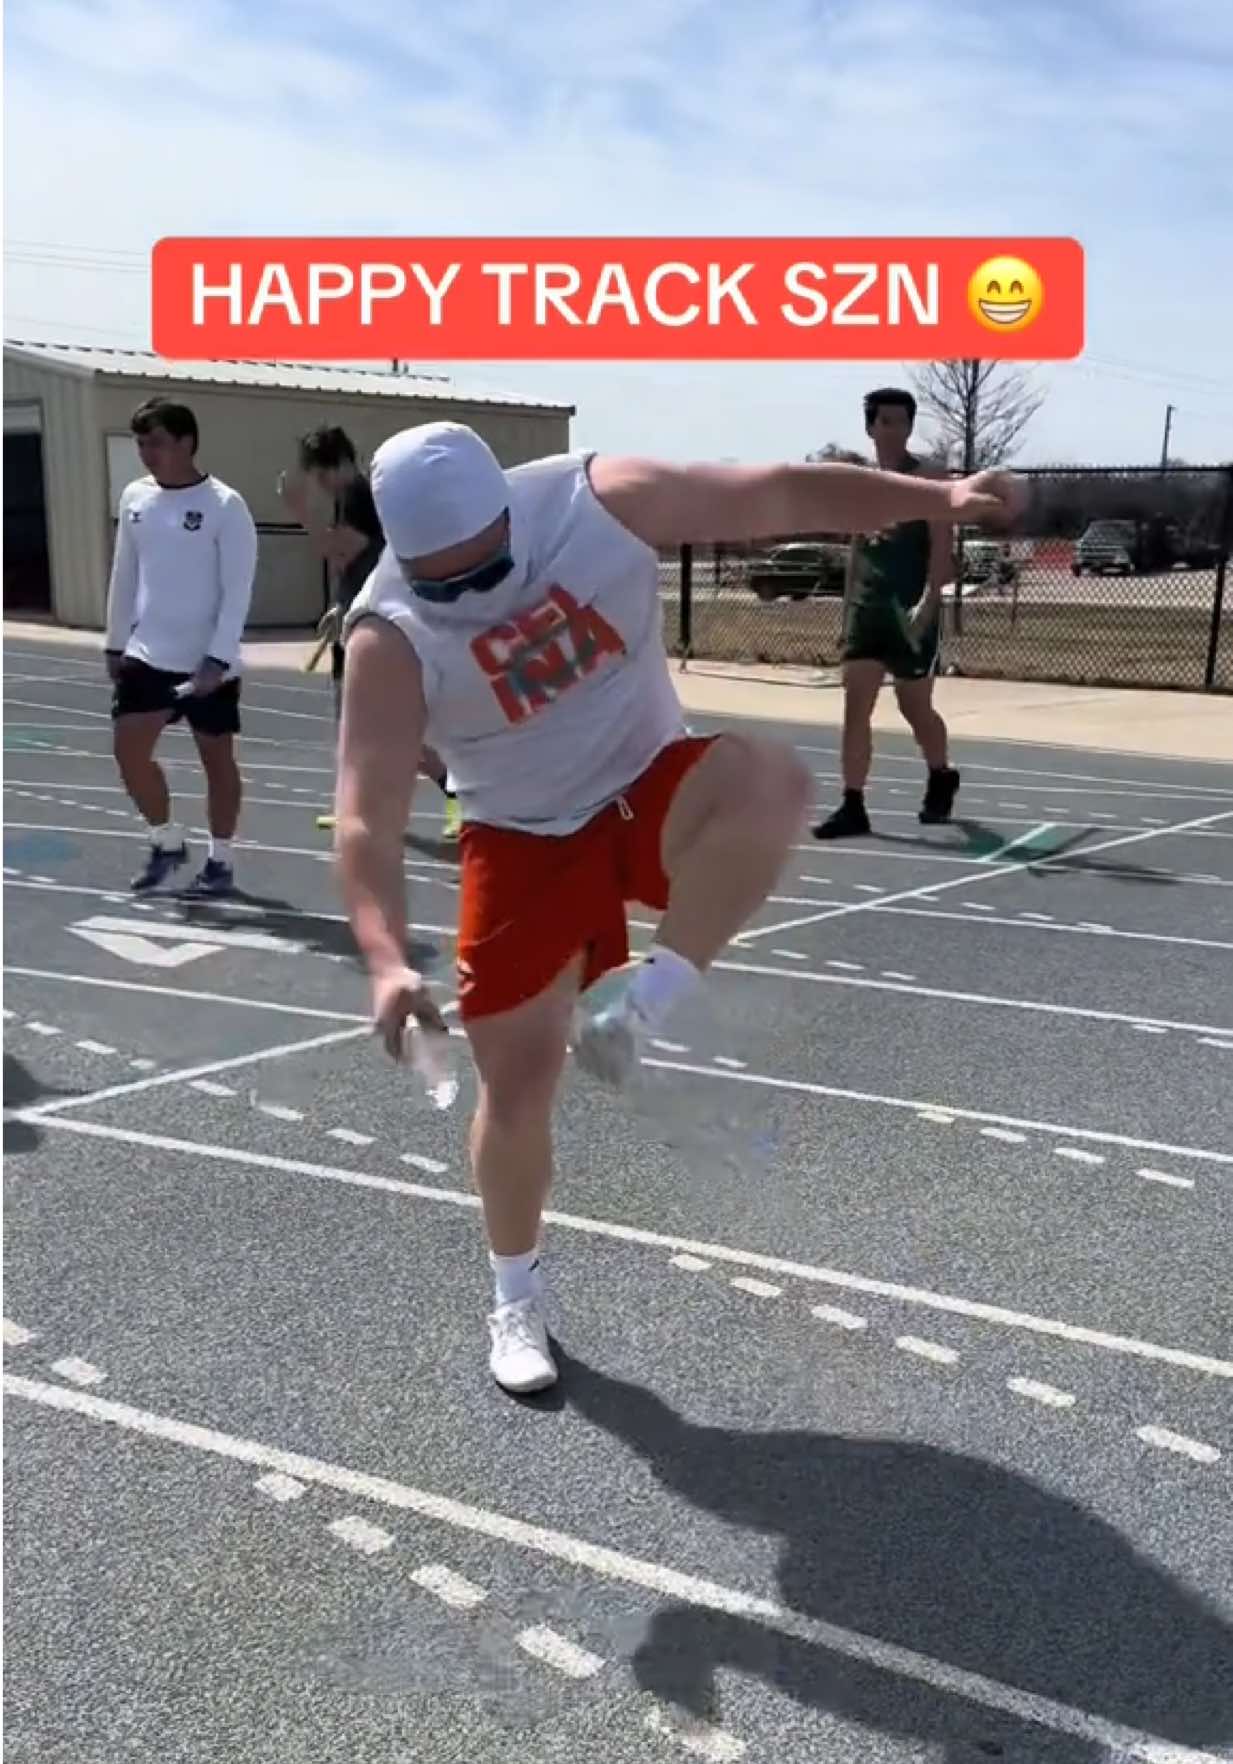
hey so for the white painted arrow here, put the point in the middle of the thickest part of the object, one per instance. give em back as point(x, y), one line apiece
point(131, 948)
point(184, 932)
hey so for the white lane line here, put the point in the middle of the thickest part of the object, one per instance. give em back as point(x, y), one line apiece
point(977, 906)
point(990, 873)
point(658, 1240)
point(452, 1589)
point(279, 1111)
point(1150, 1028)
point(840, 1318)
point(731, 1064)
point(1169, 1441)
point(550, 1649)
point(867, 888)
point(322, 854)
point(848, 967)
point(927, 1350)
point(78, 1371)
point(207, 1087)
point(1164, 1177)
point(1077, 1156)
point(144, 1065)
point(1004, 1133)
point(15, 1335)
point(94, 1047)
point(1041, 918)
point(348, 1137)
point(791, 955)
point(41, 1028)
point(891, 974)
point(655, 1577)
point(1211, 1041)
point(759, 1288)
point(692, 1264)
point(670, 1046)
point(279, 1487)
point(430, 1166)
point(699, 1738)
point(937, 1117)
point(1047, 1394)
point(369, 1539)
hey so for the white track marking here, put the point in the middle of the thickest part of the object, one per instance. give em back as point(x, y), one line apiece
point(714, 1252)
point(848, 967)
point(1043, 922)
point(15, 1335)
point(38, 1028)
point(279, 1111)
point(699, 1738)
point(222, 906)
point(656, 1577)
point(731, 1064)
point(1150, 1028)
point(791, 955)
point(692, 1264)
point(279, 1487)
point(1077, 1156)
point(78, 1371)
point(1164, 1177)
point(1211, 1041)
point(1047, 1394)
point(430, 1166)
point(94, 1047)
point(450, 1588)
point(208, 1088)
point(1004, 1133)
point(759, 1288)
point(348, 1137)
point(369, 1539)
point(890, 974)
point(321, 854)
point(550, 1649)
point(927, 1350)
point(222, 998)
point(937, 1117)
point(184, 1074)
point(991, 873)
point(841, 1319)
point(1177, 1442)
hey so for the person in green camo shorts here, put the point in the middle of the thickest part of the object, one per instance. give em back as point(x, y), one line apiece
point(893, 625)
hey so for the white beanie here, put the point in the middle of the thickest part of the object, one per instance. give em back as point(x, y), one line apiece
point(436, 486)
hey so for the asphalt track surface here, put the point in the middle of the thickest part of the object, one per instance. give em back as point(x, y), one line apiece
point(910, 1439)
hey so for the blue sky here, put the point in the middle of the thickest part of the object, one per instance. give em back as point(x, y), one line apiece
point(1105, 119)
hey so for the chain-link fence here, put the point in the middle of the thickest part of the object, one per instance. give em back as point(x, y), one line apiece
point(1117, 578)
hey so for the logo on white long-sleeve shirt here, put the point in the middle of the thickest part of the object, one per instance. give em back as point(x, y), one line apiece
point(193, 520)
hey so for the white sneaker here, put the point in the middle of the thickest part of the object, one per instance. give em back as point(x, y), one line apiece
point(521, 1360)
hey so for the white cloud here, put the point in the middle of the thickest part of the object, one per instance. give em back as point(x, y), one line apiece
point(662, 117)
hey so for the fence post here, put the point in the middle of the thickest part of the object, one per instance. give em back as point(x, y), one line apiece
point(685, 636)
point(1222, 567)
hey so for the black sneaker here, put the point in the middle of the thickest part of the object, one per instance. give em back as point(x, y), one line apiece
point(214, 878)
point(849, 820)
point(940, 794)
point(161, 863)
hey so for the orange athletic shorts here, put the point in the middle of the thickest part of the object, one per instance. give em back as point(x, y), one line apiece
point(532, 901)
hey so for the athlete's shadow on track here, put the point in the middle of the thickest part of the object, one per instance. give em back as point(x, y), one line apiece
point(1066, 858)
point(934, 1552)
point(22, 1090)
point(279, 918)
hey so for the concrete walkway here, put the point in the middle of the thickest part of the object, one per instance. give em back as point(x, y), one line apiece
point(1167, 725)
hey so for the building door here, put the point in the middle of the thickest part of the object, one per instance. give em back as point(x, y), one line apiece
point(27, 565)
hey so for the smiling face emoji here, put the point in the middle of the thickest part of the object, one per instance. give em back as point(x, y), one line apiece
point(1005, 294)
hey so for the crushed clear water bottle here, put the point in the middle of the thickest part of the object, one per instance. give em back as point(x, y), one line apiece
point(434, 1058)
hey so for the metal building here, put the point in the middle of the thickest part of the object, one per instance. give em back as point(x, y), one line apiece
point(68, 454)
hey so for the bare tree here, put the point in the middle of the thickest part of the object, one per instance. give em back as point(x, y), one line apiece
point(832, 453)
point(980, 409)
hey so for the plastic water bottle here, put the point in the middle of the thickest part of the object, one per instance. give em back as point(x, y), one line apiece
point(432, 1055)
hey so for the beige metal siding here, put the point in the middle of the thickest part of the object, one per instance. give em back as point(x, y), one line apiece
point(78, 528)
point(249, 436)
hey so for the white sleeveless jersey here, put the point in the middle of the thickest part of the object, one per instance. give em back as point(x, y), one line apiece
point(548, 696)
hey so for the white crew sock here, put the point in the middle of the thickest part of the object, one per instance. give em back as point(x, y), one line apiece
point(220, 850)
point(663, 978)
point(167, 838)
point(517, 1277)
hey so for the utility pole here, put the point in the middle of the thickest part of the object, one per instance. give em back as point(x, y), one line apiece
point(1164, 451)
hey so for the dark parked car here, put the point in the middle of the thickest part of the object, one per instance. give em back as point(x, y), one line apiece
point(801, 569)
point(1141, 547)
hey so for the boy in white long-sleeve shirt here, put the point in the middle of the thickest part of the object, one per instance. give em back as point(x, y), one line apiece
point(181, 588)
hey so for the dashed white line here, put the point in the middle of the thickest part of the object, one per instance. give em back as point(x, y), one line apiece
point(551, 1649)
point(9, 1015)
point(94, 1047)
point(450, 1588)
point(1076, 1156)
point(369, 1539)
point(15, 1335)
point(207, 1087)
point(78, 1371)
point(848, 967)
point(1210, 1041)
point(1169, 1441)
point(42, 1029)
point(1164, 1177)
point(279, 1111)
point(1149, 1029)
point(867, 888)
point(279, 1487)
point(732, 1065)
point(791, 955)
point(676, 1047)
point(1040, 918)
point(348, 1137)
point(977, 906)
point(430, 1166)
point(1004, 1133)
point(759, 1288)
point(1042, 1393)
point(840, 1318)
point(927, 1350)
point(938, 1117)
point(695, 1736)
point(692, 1264)
point(144, 1065)
point(891, 974)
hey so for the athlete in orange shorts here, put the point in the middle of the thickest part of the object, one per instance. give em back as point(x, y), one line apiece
point(515, 623)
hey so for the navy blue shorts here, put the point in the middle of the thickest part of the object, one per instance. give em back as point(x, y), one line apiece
point(142, 689)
